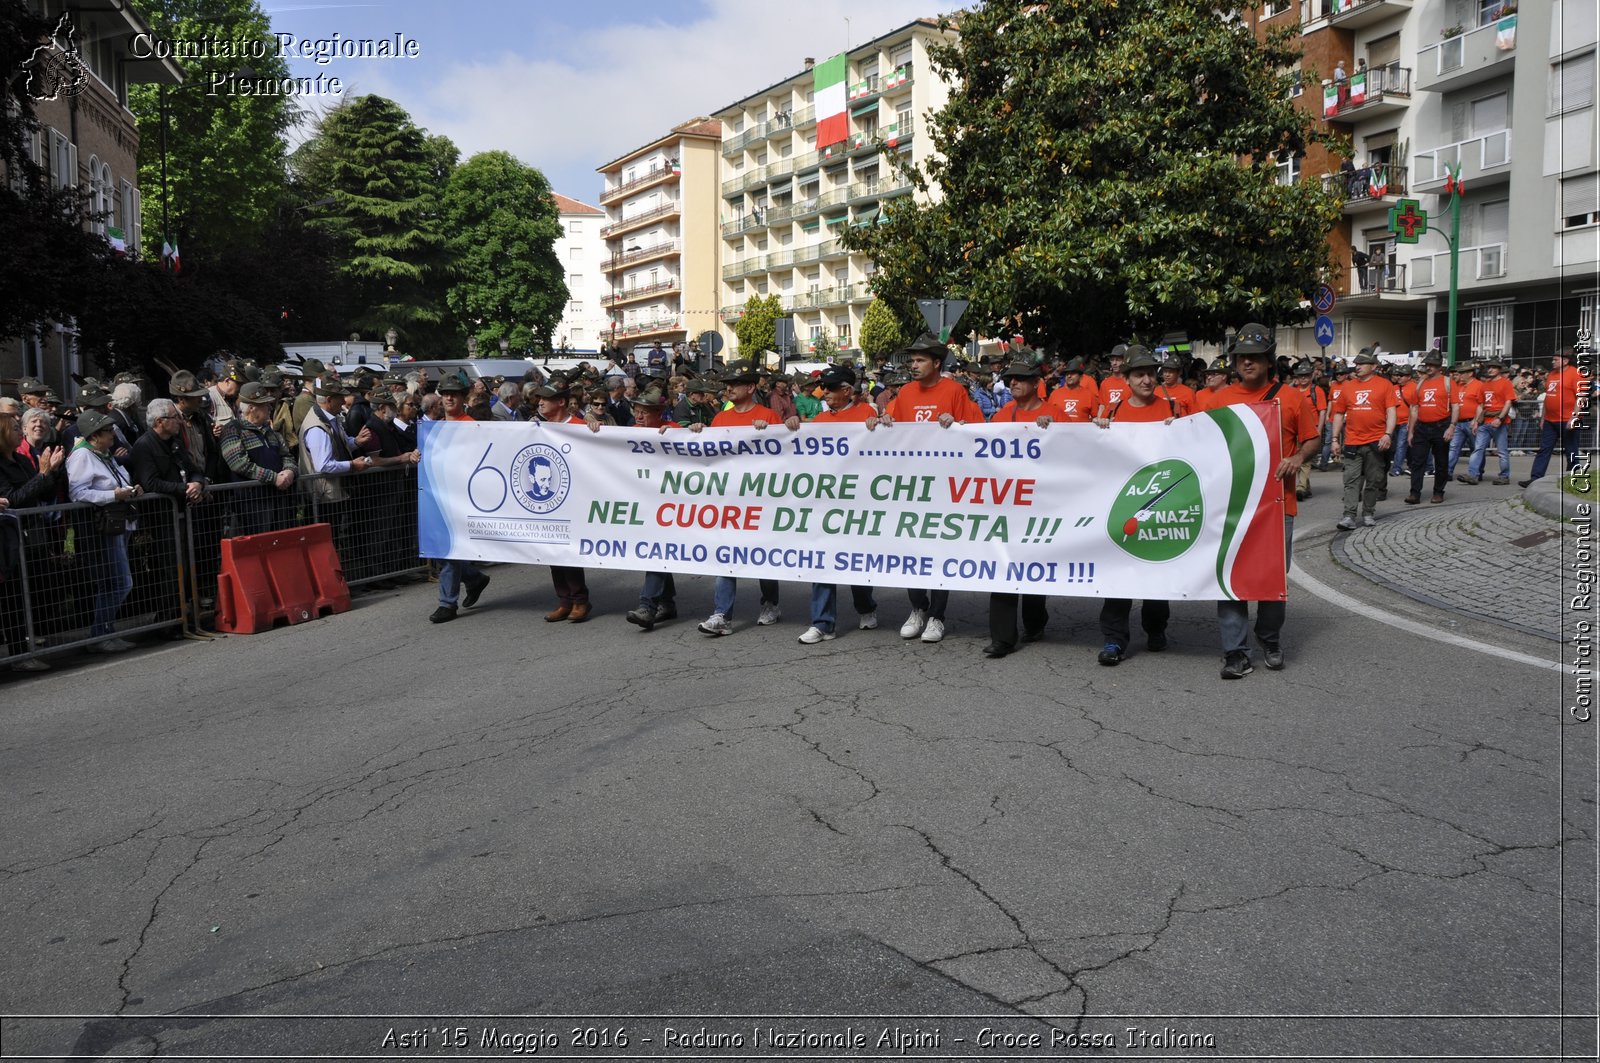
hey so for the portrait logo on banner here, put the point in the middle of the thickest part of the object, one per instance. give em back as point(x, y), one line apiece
point(540, 478)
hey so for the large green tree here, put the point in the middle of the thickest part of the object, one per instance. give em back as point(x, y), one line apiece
point(881, 332)
point(503, 226)
point(380, 175)
point(225, 143)
point(757, 329)
point(1108, 168)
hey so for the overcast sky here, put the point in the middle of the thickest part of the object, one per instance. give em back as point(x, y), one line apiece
point(567, 86)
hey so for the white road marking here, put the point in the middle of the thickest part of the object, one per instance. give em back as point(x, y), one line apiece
point(1344, 601)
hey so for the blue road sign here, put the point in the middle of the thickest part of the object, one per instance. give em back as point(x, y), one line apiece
point(1324, 299)
point(1324, 330)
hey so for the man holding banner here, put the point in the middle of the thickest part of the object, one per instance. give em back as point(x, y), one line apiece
point(929, 396)
point(1252, 348)
point(838, 385)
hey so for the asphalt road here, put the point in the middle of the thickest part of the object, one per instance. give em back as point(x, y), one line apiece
point(491, 824)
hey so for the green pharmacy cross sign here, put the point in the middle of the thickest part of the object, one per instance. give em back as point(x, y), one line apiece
point(1407, 222)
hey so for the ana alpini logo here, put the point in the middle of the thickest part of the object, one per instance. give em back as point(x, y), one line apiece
point(55, 69)
point(1159, 512)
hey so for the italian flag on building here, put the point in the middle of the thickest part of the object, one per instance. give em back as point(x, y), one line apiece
point(828, 95)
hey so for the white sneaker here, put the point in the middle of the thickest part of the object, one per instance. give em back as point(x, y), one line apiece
point(716, 624)
point(769, 615)
point(815, 635)
point(869, 621)
point(1346, 524)
point(914, 624)
point(934, 632)
point(1369, 521)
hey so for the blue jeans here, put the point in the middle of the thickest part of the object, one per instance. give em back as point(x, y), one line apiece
point(1233, 618)
point(451, 575)
point(1458, 440)
point(1480, 449)
point(1327, 444)
point(1555, 434)
point(727, 587)
point(1401, 447)
point(116, 580)
point(825, 604)
point(659, 589)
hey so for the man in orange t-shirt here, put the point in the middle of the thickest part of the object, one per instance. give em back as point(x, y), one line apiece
point(1252, 347)
point(1143, 404)
point(1026, 405)
point(1365, 411)
point(1566, 392)
point(1216, 378)
point(456, 573)
point(929, 396)
point(743, 411)
point(840, 406)
point(1173, 387)
point(1077, 400)
point(1304, 381)
point(1469, 395)
point(1433, 422)
point(1492, 422)
point(1113, 388)
point(570, 582)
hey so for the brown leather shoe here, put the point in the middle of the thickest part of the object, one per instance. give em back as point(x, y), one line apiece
point(580, 613)
point(1436, 498)
point(1412, 500)
point(560, 612)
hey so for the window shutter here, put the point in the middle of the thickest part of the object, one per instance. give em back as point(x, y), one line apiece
point(1580, 195)
point(1572, 86)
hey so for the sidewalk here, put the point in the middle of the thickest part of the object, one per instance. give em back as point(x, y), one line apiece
point(1464, 557)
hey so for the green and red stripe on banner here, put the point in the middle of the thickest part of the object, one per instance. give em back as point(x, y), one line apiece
point(828, 95)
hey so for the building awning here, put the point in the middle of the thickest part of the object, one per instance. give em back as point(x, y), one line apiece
point(836, 221)
point(866, 217)
point(862, 108)
point(811, 226)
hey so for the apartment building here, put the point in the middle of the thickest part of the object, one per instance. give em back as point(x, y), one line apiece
point(87, 137)
point(786, 201)
point(1421, 86)
point(659, 269)
point(584, 324)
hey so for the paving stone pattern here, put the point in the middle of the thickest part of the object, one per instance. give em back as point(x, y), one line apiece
point(1461, 556)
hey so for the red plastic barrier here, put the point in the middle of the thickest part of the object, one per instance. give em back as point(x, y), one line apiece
point(290, 576)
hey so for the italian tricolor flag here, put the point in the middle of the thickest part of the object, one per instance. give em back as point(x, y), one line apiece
point(828, 84)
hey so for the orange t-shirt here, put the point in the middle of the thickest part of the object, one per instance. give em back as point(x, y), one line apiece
point(1402, 412)
point(1182, 394)
point(1113, 389)
point(1497, 395)
point(1011, 414)
point(1206, 398)
point(1297, 420)
point(1431, 396)
point(462, 416)
point(733, 419)
point(1471, 397)
point(852, 414)
point(1158, 410)
point(917, 403)
point(1363, 403)
point(1075, 404)
point(1561, 391)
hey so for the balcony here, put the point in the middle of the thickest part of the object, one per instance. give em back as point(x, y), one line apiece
point(730, 314)
point(631, 295)
point(1486, 262)
point(1379, 91)
point(1376, 281)
point(1484, 160)
point(820, 251)
point(898, 134)
point(805, 117)
point(639, 254)
point(1466, 59)
point(672, 323)
point(665, 173)
point(1371, 188)
point(666, 210)
point(739, 182)
point(781, 124)
point(898, 80)
point(756, 219)
point(881, 188)
point(1358, 14)
point(779, 260)
point(750, 264)
point(868, 88)
point(739, 141)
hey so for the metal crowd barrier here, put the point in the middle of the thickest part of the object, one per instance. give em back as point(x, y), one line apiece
point(47, 593)
point(62, 562)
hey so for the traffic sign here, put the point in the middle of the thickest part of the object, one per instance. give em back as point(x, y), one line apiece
point(710, 341)
point(942, 315)
point(1324, 331)
point(1324, 299)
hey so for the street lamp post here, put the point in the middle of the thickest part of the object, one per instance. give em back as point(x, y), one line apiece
point(505, 347)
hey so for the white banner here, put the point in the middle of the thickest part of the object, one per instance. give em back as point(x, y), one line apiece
point(1186, 510)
